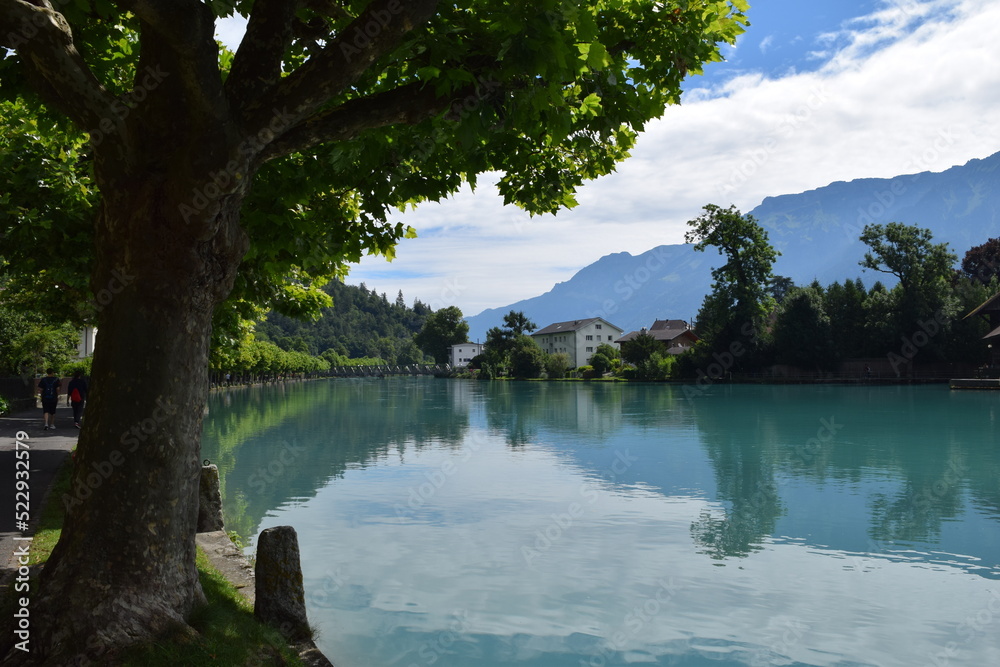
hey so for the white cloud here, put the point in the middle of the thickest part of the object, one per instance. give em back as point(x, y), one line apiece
point(766, 43)
point(910, 88)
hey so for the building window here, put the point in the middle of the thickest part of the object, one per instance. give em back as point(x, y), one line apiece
point(590, 338)
point(597, 326)
point(590, 349)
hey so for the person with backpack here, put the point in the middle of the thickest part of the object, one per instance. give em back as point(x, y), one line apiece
point(49, 386)
point(76, 394)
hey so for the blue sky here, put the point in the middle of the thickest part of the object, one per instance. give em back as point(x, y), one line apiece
point(783, 34)
point(814, 92)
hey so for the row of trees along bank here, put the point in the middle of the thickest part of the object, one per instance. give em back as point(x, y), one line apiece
point(755, 323)
point(753, 319)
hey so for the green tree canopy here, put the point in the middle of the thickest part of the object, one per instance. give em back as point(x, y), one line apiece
point(803, 333)
point(518, 323)
point(779, 286)
point(526, 359)
point(844, 303)
point(925, 270)
point(601, 362)
point(741, 295)
point(908, 253)
point(241, 173)
point(441, 330)
point(640, 348)
point(982, 262)
point(556, 365)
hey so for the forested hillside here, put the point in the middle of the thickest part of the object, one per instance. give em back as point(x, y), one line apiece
point(361, 323)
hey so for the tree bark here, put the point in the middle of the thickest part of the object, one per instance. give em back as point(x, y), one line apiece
point(174, 161)
point(124, 569)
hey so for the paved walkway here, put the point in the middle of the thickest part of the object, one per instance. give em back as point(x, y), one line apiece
point(46, 452)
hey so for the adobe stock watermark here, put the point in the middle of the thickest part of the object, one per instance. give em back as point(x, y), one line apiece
point(458, 110)
point(787, 128)
point(40, 19)
point(911, 345)
point(332, 581)
point(642, 613)
point(562, 522)
point(450, 292)
point(972, 628)
point(791, 634)
point(89, 480)
point(122, 106)
point(632, 282)
point(363, 35)
point(827, 433)
point(883, 200)
point(418, 496)
point(910, 8)
point(22, 554)
point(441, 644)
point(234, 170)
point(267, 475)
point(722, 363)
point(116, 285)
point(923, 502)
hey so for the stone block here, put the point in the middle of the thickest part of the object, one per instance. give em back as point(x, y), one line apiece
point(209, 500)
point(280, 596)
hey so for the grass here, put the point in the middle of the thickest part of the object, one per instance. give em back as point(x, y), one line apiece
point(222, 632)
point(51, 520)
point(225, 633)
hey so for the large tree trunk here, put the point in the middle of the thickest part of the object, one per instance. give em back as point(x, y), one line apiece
point(124, 569)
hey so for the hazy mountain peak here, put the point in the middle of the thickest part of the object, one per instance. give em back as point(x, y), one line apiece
point(816, 231)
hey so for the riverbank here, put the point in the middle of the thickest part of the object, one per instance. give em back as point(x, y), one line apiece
point(226, 574)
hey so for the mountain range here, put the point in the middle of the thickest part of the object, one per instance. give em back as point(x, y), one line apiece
point(816, 232)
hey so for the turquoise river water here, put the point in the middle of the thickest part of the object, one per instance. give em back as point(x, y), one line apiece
point(461, 523)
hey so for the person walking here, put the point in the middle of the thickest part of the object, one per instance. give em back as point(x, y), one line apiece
point(49, 392)
point(76, 396)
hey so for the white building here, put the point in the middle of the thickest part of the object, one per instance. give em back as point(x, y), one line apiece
point(88, 338)
point(578, 339)
point(463, 353)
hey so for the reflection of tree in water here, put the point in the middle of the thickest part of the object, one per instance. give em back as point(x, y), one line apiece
point(513, 408)
point(738, 439)
point(278, 444)
point(754, 506)
point(916, 512)
point(520, 410)
point(983, 471)
point(937, 447)
point(985, 489)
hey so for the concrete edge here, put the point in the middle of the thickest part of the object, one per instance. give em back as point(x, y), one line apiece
point(230, 562)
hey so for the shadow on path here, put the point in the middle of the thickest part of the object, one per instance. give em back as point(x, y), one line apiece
point(46, 452)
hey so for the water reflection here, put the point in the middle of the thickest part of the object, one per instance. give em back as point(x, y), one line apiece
point(925, 456)
point(460, 523)
point(280, 444)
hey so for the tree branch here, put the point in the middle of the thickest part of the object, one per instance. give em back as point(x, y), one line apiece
point(377, 31)
point(43, 40)
point(409, 104)
point(179, 36)
point(257, 64)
